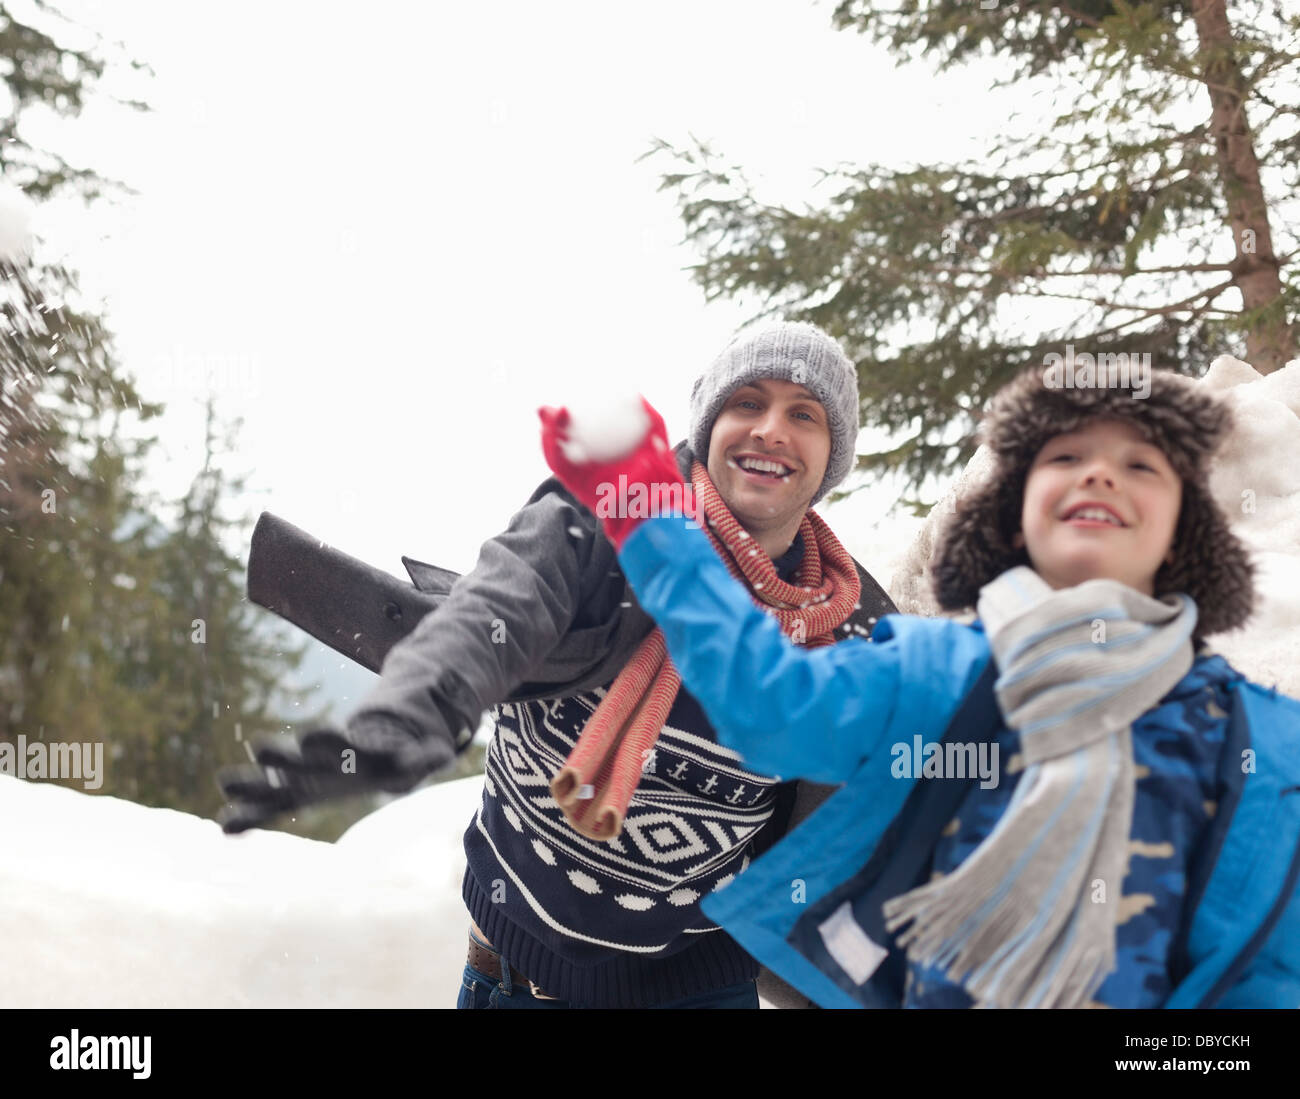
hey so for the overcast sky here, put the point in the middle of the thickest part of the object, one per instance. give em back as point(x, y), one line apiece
point(393, 230)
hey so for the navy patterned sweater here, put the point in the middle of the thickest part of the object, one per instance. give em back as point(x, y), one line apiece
point(617, 923)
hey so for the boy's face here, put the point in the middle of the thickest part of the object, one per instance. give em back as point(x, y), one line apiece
point(1109, 465)
point(769, 420)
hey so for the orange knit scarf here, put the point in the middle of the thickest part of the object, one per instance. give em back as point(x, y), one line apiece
point(597, 781)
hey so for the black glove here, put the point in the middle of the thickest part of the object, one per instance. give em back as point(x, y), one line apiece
point(325, 764)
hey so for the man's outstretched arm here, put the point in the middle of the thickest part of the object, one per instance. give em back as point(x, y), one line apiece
point(499, 622)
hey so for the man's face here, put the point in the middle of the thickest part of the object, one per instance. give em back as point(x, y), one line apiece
point(1134, 495)
point(769, 421)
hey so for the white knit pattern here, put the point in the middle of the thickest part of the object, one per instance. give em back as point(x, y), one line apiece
point(686, 833)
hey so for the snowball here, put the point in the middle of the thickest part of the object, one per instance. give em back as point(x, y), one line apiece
point(15, 225)
point(605, 429)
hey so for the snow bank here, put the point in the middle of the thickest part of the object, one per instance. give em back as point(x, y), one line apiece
point(112, 904)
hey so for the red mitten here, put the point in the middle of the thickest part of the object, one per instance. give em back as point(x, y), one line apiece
point(596, 484)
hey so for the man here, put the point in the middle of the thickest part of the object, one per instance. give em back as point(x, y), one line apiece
point(609, 810)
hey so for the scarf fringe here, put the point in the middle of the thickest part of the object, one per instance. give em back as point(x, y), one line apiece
point(600, 817)
point(998, 964)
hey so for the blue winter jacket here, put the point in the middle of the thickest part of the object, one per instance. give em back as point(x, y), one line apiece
point(809, 909)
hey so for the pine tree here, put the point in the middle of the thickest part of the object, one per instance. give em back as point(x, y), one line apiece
point(68, 472)
point(218, 673)
point(67, 469)
point(1153, 217)
point(115, 627)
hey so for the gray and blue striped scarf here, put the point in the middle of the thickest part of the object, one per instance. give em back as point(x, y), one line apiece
point(1022, 922)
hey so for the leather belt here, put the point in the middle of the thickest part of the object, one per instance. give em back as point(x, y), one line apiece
point(488, 962)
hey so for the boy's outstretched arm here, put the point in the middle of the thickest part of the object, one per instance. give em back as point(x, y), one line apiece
point(793, 712)
point(789, 712)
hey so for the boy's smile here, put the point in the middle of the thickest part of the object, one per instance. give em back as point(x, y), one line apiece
point(1100, 502)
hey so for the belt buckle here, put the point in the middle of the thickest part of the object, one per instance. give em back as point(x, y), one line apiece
point(537, 992)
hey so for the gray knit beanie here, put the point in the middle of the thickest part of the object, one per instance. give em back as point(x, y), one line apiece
point(792, 352)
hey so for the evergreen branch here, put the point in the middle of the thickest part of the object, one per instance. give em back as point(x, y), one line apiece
point(1144, 312)
point(1078, 16)
point(1213, 293)
point(1209, 301)
point(1120, 271)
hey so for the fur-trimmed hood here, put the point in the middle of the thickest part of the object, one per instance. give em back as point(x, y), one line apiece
point(1210, 563)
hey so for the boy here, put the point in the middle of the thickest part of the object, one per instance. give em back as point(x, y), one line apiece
point(1143, 846)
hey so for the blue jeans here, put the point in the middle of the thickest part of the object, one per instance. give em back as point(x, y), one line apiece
point(479, 991)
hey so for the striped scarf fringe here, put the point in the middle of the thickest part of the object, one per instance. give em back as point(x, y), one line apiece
point(1020, 922)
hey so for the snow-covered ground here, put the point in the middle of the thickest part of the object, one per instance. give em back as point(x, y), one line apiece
point(110, 904)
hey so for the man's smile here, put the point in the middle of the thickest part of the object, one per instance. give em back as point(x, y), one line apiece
point(759, 469)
